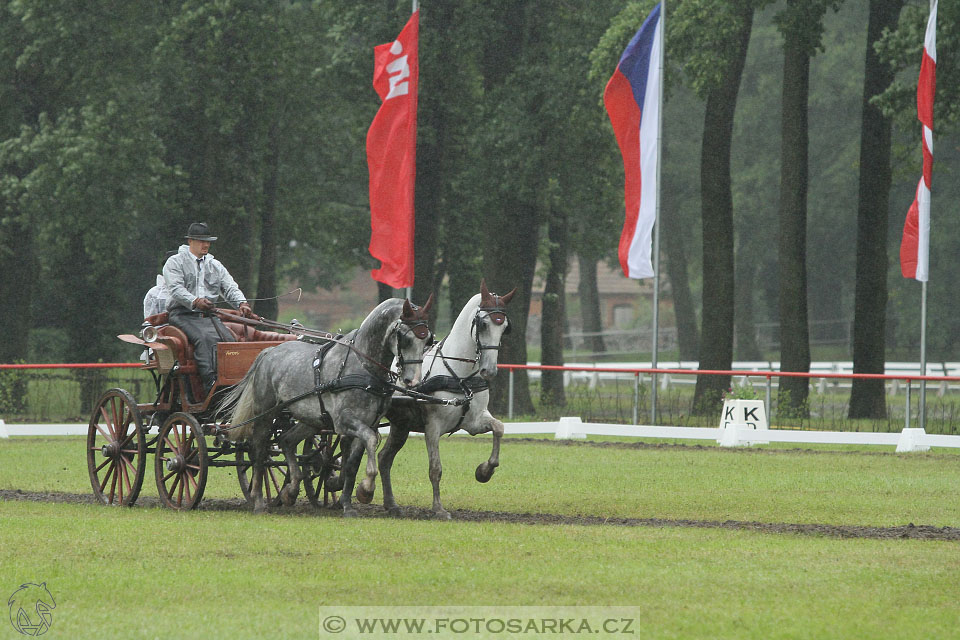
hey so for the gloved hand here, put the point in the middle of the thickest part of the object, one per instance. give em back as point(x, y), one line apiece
point(245, 310)
point(203, 304)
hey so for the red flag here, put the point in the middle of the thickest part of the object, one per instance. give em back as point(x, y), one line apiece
point(915, 245)
point(392, 157)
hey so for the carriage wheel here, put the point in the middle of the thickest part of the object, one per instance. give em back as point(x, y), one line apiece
point(321, 461)
point(116, 449)
point(181, 462)
point(275, 478)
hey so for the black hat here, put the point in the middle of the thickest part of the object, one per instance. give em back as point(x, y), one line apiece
point(199, 231)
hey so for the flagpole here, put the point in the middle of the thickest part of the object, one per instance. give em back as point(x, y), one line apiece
point(923, 354)
point(413, 9)
point(656, 225)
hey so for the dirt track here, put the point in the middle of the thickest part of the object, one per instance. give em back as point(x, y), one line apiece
point(303, 508)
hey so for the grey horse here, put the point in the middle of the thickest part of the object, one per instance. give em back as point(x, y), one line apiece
point(352, 388)
point(460, 366)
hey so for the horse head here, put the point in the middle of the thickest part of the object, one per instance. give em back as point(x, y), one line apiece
point(490, 325)
point(413, 335)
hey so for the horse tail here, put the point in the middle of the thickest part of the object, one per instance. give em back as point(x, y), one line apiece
point(238, 403)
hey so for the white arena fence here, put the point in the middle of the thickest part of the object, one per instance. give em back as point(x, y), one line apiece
point(899, 375)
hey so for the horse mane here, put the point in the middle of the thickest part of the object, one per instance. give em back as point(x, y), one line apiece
point(373, 329)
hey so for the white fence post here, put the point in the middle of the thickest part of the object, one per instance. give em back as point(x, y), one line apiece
point(3, 430)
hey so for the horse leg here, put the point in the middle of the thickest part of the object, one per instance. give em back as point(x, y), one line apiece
point(395, 441)
point(488, 423)
point(368, 485)
point(288, 442)
point(348, 473)
point(432, 438)
point(259, 446)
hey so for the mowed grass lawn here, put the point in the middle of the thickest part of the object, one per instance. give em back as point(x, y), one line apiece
point(149, 572)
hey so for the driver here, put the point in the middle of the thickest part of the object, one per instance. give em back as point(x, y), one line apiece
point(194, 281)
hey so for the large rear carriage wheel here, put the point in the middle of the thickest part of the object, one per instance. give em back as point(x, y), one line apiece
point(181, 462)
point(116, 449)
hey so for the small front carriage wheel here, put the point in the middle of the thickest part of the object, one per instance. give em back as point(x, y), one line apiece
point(320, 463)
point(274, 476)
point(181, 462)
point(116, 449)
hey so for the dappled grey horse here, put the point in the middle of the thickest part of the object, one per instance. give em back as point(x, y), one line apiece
point(347, 381)
point(459, 366)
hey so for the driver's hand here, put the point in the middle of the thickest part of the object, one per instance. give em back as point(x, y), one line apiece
point(245, 310)
point(203, 304)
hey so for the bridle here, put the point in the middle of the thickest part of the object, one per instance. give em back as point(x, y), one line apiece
point(421, 330)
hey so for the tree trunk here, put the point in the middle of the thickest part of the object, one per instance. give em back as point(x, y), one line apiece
point(552, 323)
point(510, 260)
point(716, 346)
point(267, 304)
point(675, 254)
point(746, 343)
point(794, 330)
point(590, 304)
point(869, 320)
point(18, 266)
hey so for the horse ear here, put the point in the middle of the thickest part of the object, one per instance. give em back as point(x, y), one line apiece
point(506, 298)
point(484, 292)
point(426, 308)
point(407, 311)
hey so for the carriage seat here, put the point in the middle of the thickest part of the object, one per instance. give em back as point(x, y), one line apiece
point(183, 350)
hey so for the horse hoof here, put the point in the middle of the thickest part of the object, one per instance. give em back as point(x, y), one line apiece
point(484, 472)
point(260, 508)
point(350, 512)
point(441, 514)
point(287, 497)
point(364, 495)
point(394, 511)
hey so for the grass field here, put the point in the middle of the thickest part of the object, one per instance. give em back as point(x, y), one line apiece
point(148, 572)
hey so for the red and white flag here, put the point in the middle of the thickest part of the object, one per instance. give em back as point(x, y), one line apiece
point(392, 157)
point(915, 246)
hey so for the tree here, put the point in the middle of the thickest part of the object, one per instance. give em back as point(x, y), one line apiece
point(801, 24)
point(723, 30)
point(869, 336)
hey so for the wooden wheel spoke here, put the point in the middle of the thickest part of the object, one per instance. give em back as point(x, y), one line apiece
point(265, 484)
point(106, 476)
point(113, 483)
point(129, 463)
point(177, 436)
point(180, 491)
point(167, 477)
point(102, 464)
point(109, 425)
point(192, 479)
point(170, 445)
point(173, 485)
point(100, 429)
point(186, 485)
point(115, 423)
point(193, 466)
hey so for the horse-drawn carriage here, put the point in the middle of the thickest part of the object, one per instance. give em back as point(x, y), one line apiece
point(174, 427)
point(303, 405)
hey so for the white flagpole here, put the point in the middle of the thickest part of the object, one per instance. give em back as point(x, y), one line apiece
point(923, 354)
point(656, 225)
point(923, 329)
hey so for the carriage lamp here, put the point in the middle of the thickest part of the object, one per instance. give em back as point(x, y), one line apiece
point(149, 333)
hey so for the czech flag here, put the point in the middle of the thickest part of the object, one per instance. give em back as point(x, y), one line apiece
point(915, 245)
point(632, 100)
point(392, 157)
